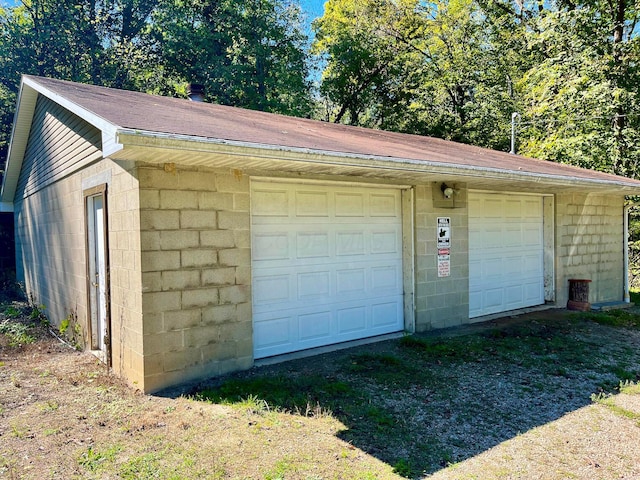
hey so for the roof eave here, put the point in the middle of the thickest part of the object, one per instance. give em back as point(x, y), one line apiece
point(25, 108)
point(293, 155)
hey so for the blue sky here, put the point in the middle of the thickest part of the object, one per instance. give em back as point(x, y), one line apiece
point(313, 8)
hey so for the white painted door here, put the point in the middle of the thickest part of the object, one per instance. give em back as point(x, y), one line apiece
point(326, 265)
point(96, 221)
point(506, 264)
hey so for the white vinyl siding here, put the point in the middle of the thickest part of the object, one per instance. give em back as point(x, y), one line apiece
point(60, 143)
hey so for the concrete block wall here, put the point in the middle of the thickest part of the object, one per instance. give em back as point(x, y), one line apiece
point(589, 245)
point(196, 264)
point(440, 302)
point(51, 253)
point(123, 203)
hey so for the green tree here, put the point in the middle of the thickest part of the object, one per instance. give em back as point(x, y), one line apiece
point(580, 101)
point(427, 68)
point(248, 54)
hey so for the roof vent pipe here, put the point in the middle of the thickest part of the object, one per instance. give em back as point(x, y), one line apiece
point(195, 92)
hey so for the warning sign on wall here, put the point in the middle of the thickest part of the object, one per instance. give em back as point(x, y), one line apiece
point(444, 246)
point(444, 232)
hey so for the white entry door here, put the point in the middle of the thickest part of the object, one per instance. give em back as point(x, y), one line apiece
point(326, 264)
point(506, 246)
point(97, 271)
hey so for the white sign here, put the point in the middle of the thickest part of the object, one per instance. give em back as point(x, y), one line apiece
point(444, 232)
point(444, 246)
point(444, 265)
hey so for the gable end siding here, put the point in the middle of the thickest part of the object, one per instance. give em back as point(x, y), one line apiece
point(60, 143)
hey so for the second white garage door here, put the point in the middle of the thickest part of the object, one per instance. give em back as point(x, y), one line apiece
point(326, 265)
point(506, 264)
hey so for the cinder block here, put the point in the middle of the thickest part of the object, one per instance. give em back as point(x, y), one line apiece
point(232, 183)
point(160, 302)
point(235, 257)
point(241, 202)
point(156, 177)
point(199, 258)
point(180, 279)
point(179, 239)
point(153, 364)
point(219, 276)
point(180, 360)
point(217, 238)
point(157, 261)
point(235, 294)
point(233, 220)
point(153, 323)
point(243, 276)
point(199, 298)
point(198, 219)
point(197, 180)
point(159, 220)
point(220, 314)
point(182, 319)
point(244, 312)
point(152, 282)
point(200, 336)
point(178, 200)
point(219, 351)
point(215, 201)
point(163, 342)
point(242, 238)
point(236, 331)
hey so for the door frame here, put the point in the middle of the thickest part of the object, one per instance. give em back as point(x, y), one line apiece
point(88, 196)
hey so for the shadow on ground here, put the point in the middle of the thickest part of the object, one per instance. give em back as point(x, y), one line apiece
point(422, 402)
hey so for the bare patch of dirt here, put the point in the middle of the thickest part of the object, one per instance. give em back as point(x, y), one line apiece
point(484, 413)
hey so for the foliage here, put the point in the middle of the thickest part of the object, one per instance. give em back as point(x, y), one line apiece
point(248, 54)
point(458, 68)
point(17, 333)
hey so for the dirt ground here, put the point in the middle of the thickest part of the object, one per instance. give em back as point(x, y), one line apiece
point(62, 415)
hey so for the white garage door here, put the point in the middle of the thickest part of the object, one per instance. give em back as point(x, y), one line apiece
point(506, 265)
point(326, 265)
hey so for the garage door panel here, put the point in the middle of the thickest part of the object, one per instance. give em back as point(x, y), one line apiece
point(312, 245)
point(385, 314)
point(384, 205)
point(352, 281)
point(271, 203)
point(270, 289)
point(344, 270)
point(513, 296)
point(315, 326)
point(272, 333)
point(314, 285)
point(350, 204)
point(491, 268)
point(312, 204)
point(506, 252)
point(384, 241)
point(493, 298)
point(350, 243)
point(351, 320)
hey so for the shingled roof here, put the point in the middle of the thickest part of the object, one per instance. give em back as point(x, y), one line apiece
point(132, 120)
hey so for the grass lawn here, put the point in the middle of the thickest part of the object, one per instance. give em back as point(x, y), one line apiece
point(545, 395)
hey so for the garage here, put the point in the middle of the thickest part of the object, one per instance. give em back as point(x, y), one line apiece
point(326, 264)
point(506, 252)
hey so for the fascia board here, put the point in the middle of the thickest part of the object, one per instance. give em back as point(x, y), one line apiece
point(25, 107)
point(131, 137)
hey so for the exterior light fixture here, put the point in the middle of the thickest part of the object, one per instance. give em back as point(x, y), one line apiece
point(447, 191)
